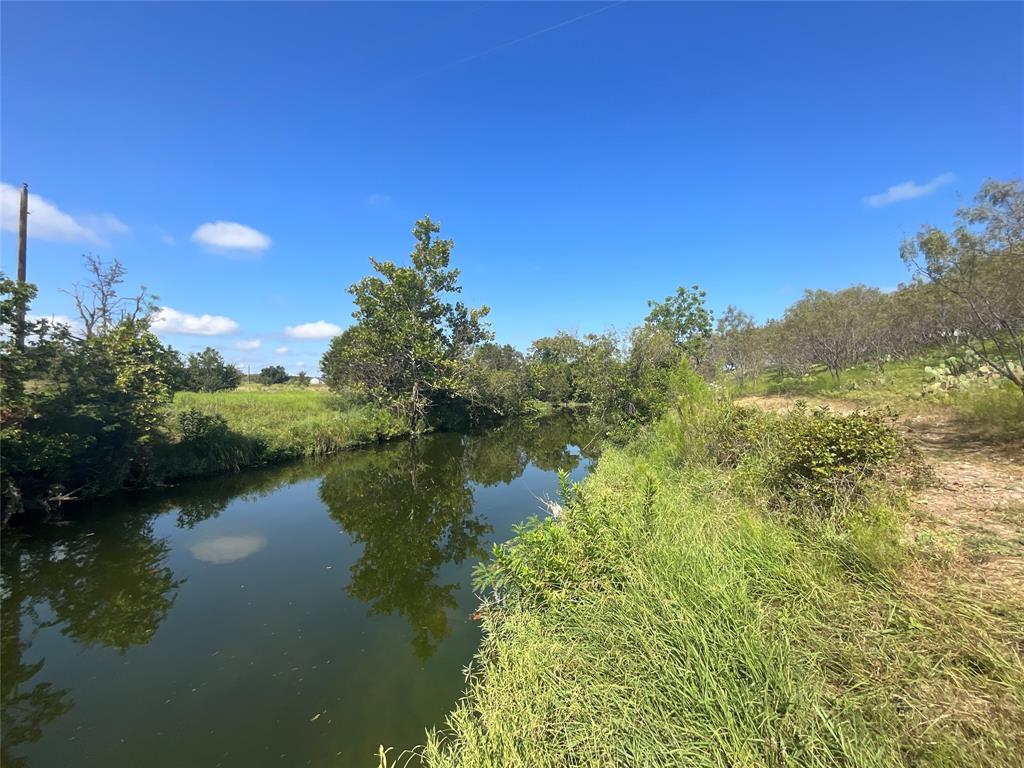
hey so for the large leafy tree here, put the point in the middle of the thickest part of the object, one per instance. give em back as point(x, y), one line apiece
point(410, 342)
point(685, 319)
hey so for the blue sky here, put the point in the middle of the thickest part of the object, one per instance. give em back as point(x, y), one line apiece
point(584, 157)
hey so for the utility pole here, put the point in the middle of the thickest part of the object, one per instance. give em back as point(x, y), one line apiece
point(22, 232)
point(22, 264)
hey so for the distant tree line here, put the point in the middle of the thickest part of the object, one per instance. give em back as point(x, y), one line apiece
point(966, 293)
point(82, 411)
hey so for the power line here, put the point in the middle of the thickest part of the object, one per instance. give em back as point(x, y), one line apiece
point(510, 43)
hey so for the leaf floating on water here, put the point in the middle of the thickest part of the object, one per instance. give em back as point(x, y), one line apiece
point(315, 717)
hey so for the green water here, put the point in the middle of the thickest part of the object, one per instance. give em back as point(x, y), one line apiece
point(292, 616)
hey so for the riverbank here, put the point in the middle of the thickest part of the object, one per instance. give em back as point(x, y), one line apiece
point(687, 609)
point(211, 433)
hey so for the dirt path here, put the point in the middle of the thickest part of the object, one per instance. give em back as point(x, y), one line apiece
point(972, 513)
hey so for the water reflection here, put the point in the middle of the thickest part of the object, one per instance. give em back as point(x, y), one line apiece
point(110, 588)
point(412, 511)
point(411, 507)
point(106, 582)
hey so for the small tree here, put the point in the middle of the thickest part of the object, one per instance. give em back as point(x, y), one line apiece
point(832, 327)
point(740, 345)
point(207, 372)
point(410, 341)
point(979, 268)
point(302, 379)
point(685, 319)
point(273, 374)
point(99, 303)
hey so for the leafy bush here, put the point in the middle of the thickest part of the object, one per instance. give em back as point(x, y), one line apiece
point(824, 460)
point(197, 426)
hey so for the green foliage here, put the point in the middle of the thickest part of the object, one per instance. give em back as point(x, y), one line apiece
point(978, 270)
point(825, 460)
point(497, 381)
point(207, 372)
point(685, 319)
point(80, 415)
point(410, 342)
point(662, 618)
point(273, 374)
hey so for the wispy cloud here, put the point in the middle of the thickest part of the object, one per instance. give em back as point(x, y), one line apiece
point(378, 200)
point(48, 222)
point(172, 321)
point(225, 236)
point(281, 351)
point(908, 190)
point(249, 344)
point(318, 330)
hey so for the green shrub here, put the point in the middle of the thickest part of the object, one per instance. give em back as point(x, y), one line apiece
point(825, 460)
point(196, 425)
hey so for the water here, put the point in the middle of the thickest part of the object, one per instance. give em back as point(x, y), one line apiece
point(299, 615)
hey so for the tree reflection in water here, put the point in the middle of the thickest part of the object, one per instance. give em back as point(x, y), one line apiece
point(107, 582)
point(102, 584)
point(411, 507)
point(109, 587)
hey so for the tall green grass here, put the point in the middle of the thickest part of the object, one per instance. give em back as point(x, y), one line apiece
point(669, 617)
point(294, 422)
point(264, 425)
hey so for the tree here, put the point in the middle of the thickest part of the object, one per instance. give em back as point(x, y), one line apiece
point(551, 365)
point(98, 302)
point(685, 319)
point(207, 372)
point(79, 415)
point(979, 268)
point(177, 372)
point(740, 344)
point(497, 379)
point(410, 342)
point(832, 327)
point(273, 374)
point(302, 379)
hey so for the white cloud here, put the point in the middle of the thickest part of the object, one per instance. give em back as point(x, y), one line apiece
point(167, 239)
point(318, 330)
point(106, 223)
point(908, 190)
point(48, 222)
point(281, 351)
point(172, 321)
point(230, 236)
point(378, 200)
point(249, 344)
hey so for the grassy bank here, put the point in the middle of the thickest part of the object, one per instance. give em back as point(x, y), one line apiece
point(991, 409)
point(230, 430)
point(737, 589)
